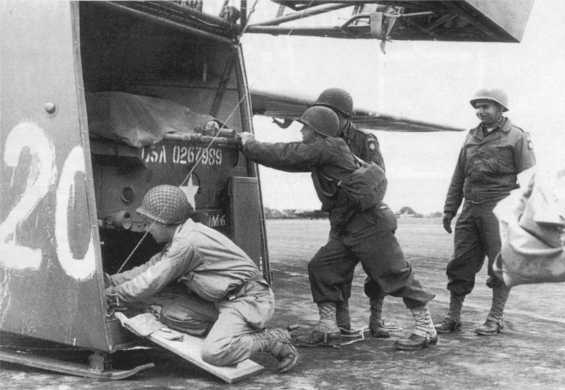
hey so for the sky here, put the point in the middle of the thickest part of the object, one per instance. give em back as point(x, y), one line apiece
point(430, 81)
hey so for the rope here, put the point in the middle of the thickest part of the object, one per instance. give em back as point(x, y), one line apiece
point(188, 175)
point(198, 161)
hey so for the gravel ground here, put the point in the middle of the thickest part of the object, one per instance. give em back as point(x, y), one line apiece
point(528, 355)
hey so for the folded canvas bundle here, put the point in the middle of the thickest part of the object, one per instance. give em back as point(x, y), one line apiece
point(531, 220)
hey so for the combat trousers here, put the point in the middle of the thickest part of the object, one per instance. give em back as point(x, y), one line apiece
point(245, 312)
point(476, 236)
point(368, 238)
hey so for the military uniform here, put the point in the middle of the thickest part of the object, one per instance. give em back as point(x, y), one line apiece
point(485, 173)
point(363, 144)
point(223, 291)
point(355, 236)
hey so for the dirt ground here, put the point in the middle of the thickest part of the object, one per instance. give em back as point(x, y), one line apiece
point(528, 355)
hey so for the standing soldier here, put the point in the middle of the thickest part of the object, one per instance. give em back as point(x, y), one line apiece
point(493, 154)
point(365, 236)
point(365, 146)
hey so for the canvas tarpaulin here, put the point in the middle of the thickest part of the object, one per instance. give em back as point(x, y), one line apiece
point(531, 227)
point(139, 120)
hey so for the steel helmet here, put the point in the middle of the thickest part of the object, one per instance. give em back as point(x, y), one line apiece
point(494, 95)
point(322, 120)
point(166, 204)
point(337, 99)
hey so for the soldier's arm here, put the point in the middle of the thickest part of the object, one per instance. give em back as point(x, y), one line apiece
point(455, 191)
point(171, 266)
point(291, 157)
point(524, 157)
point(122, 277)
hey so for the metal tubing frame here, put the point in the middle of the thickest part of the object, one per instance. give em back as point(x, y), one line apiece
point(171, 23)
point(302, 14)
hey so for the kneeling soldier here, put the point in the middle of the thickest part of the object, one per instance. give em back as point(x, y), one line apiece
point(223, 290)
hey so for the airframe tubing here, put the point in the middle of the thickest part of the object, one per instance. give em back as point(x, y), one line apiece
point(302, 14)
point(174, 24)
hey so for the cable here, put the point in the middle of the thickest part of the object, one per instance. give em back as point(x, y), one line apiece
point(249, 17)
point(188, 175)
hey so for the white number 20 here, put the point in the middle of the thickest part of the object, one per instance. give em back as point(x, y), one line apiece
point(42, 175)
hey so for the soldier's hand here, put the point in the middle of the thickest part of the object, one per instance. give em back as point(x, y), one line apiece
point(447, 218)
point(108, 280)
point(245, 137)
point(112, 299)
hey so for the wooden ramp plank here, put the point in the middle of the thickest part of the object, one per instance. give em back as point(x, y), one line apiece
point(189, 348)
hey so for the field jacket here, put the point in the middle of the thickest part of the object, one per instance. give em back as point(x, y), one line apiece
point(363, 144)
point(488, 164)
point(329, 159)
point(208, 263)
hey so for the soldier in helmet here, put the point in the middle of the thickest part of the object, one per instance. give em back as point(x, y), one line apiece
point(492, 155)
point(222, 292)
point(358, 236)
point(365, 146)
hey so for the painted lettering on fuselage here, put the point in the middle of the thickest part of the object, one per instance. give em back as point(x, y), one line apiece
point(217, 220)
point(158, 155)
point(182, 155)
point(28, 137)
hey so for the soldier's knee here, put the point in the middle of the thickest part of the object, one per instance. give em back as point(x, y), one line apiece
point(460, 288)
point(372, 289)
point(494, 282)
point(454, 269)
point(213, 353)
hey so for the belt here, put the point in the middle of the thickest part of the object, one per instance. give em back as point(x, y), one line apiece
point(237, 291)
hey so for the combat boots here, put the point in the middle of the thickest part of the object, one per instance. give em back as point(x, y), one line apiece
point(342, 316)
point(325, 329)
point(277, 342)
point(495, 320)
point(424, 333)
point(376, 324)
point(452, 322)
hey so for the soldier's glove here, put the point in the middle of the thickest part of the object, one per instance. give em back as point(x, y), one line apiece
point(245, 137)
point(112, 300)
point(447, 218)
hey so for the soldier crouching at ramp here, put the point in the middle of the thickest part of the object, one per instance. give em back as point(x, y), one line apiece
point(364, 234)
point(222, 292)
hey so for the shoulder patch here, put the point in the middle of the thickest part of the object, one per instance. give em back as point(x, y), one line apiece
point(528, 140)
point(372, 142)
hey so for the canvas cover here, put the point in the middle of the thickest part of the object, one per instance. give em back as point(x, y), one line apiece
point(531, 220)
point(139, 120)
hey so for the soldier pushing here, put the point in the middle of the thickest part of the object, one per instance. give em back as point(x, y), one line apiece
point(356, 235)
point(365, 146)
